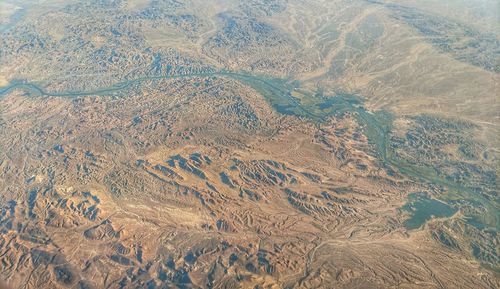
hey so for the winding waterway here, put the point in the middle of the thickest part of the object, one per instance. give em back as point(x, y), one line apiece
point(377, 127)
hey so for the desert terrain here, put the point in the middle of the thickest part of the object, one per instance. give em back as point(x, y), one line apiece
point(249, 144)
